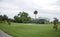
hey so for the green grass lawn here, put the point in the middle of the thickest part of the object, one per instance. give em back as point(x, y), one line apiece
point(30, 30)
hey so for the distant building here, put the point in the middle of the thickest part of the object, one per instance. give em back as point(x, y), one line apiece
point(42, 20)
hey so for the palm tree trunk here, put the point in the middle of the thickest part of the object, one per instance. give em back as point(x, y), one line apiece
point(35, 16)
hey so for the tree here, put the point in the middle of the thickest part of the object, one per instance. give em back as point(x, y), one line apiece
point(29, 20)
point(1, 18)
point(22, 17)
point(6, 19)
point(17, 19)
point(35, 12)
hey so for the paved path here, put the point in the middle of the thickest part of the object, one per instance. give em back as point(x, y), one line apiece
point(3, 34)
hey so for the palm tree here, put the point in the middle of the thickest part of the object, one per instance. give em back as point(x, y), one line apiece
point(35, 12)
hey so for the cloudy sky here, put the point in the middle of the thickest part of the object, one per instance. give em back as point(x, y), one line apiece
point(45, 8)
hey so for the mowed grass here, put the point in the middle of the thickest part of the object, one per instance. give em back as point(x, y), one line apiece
point(30, 30)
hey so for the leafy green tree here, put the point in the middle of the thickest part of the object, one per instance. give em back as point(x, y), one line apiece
point(1, 18)
point(29, 20)
point(22, 17)
point(17, 19)
point(6, 19)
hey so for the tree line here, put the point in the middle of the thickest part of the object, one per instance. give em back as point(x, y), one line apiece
point(21, 17)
